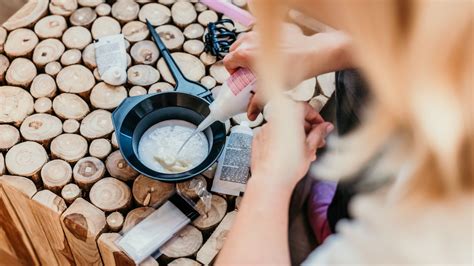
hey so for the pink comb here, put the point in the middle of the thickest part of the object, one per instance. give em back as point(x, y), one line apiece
point(230, 10)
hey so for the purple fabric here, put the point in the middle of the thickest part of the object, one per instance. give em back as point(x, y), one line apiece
point(321, 195)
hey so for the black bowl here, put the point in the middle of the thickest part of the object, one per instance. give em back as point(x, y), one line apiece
point(137, 114)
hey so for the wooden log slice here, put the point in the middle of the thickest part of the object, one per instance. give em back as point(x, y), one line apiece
point(144, 52)
point(88, 171)
point(142, 75)
point(56, 174)
point(62, 7)
point(160, 87)
point(71, 57)
point(190, 65)
point(238, 119)
point(70, 192)
point(209, 82)
point(189, 188)
point(207, 58)
point(83, 17)
point(20, 42)
point(103, 9)
point(135, 31)
point(3, 38)
point(26, 159)
point(2, 164)
point(135, 216)
point(200, 7)
point(70, 106)
point(50, 27)
point(186, 243)
point(105, 26)
point(69, 147)
point(118, 167)
point(184, 262)
point(47, 51)
point(27, 15)
point(193, 31)
point(167, 2)
point(137, 90)
point(53, 68)
point(207, 17)
point(240, 3)
point(303, 91)
point(125, 10)
point(42, 86)
point(43, 105)
point(110, 194)
point(219, 72)
point(71, 126)
point(155, 13)
point(75, 79)
point(15, 104)
point(4, 64)
point(100, 148)
point(115, 221)
point(209, 220)
point(106, 96)
point(113, 140)
point(76, 37)
point(237, 26)
point(183, 13)
point(88, 56)
point(171, 36)
point(21, 72)
point(194, 47)
point(90, 3)
point(97, 124)
point(150, 192)
point(41, 128)
point(9, 136)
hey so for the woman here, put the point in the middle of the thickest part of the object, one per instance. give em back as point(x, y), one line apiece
point(418, 58)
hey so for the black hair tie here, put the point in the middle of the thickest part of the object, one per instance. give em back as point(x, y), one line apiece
point(219, 38)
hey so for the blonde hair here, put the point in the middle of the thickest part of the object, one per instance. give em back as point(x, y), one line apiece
point(418, 59)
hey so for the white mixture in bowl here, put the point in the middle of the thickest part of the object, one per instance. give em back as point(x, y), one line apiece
point(159, 144)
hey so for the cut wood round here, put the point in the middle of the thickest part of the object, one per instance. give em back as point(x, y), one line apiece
point(87, 171)
point(137, 90)
point(83, 17)
point(20, 42)
point(100, 148)
point(88, 56)
point(103, 9)
point(118, 167)
point(186, 243)
point(71, 57)
point(105, 26)
point(4, 64)
point(43, 85)
point(194, 47)
point(240, 3)
point(238, 119)
point(207, 58)
point(62, 7)
point(167, 2)
point(15, 104)
point(219, 72)
point(209, 82)
point(27, 15)
point(125, 10)
point(237, 26)
point(135, 216)
point(190, 188)
point(69, 147)
point(142, 75)
point(144, 52)
point(160, 87)
point(115, 221)
point(90, 3)
point(209, 220)
point(70, 192)
point(75, 79)
point(200, 7)
point(110, 194)
point(70, 106)
point(135, 31)
point(113, 140)
point(183, 13)
point(105, 96)
point(193, 31)
point(21, 72)
point(318, 102)
point(191, 66)
point(26, 159)
point(53, 68)
point(3, 38)
point(304, 91)
point(56, 174)
point(97, 124)
point(150, 192)
point(207, 17)
point(43, 105)
point(77, 37)
point(171, 36)
point(71, 126)
point(47, 51)
point(155, 13)
point(9, 136)
point(50, 27)
point(184, 262)
point(2, 164)
point(41, 128)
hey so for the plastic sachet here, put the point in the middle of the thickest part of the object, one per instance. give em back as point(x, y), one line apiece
point(111, 58)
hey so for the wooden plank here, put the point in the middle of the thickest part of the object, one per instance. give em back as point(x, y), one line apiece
point(47, 208)
point(83, 223)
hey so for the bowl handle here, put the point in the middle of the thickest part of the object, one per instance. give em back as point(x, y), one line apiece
point(124, 108)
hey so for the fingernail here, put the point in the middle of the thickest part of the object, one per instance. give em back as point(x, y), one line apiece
point(329, 128)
